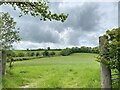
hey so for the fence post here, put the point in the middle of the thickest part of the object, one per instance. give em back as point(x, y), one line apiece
point(0, 70)
point(106, 81)
point(3, 62)
point(119, 70)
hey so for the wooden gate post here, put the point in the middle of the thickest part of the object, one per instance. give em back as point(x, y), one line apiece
point(0, 63)
point(0, 70)
point(105, 71)
point(3, 62)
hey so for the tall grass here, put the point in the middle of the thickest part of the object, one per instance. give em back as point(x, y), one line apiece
point(75, 71)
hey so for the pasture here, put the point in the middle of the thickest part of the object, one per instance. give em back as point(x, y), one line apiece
point(79, 70)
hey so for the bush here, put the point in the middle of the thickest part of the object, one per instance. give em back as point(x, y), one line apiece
point(37, 54)
point(52, 53)
point(28, 53)
point(32, 54)
point(20, 54)
point(11, 53)
point(45, 53)
point(66, 52)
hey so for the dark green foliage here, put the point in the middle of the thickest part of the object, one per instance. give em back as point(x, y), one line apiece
point(66, 52)
point(95, 50)
point(112, 55)
point(32, 54)
point(39, 8)
point(27, 49)
point(75, 49)
point(48, 48)
point(28, 53)
point(20, 54)
point(37, 54)
point(25, 58)
point(52, 53)
point(41, 49)
point(83, 49)
point(45, 53)
point(11, 53)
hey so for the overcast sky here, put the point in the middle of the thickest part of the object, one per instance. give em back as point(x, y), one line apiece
point(85, 23)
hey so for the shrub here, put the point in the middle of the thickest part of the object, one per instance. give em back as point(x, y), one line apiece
point(37, 54)
point(45, 53)
point(52, 53)
point(11, 53)
point(20, 54)
point(66, 52)
point(28, 53)
point(32, 54)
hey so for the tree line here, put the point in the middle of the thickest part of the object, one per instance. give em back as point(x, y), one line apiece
point(52, 52)
point(83, 49)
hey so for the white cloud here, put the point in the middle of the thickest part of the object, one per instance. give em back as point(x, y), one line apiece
point(86, 22)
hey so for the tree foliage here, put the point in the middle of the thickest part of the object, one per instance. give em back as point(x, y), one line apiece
point(112, 54)
point(82, 49)
point(45, 53)
point(8, 32)
point(66, 52)
point(52, 53)
point(39, 8)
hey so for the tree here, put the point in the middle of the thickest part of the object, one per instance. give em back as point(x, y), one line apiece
point(52, 53)
point(11, 53)
point(8, 34)
point(45, 53)
point(95, 50)
point(110, 53)
point(28, 53)
point(75, 49)
point(38, 8)
point(21, 54)
point(32, 53)
point(37, 54)
point(66, 52)
point(48, 48)
point(113, 44)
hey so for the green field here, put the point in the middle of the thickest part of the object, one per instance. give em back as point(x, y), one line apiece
point(74, 71)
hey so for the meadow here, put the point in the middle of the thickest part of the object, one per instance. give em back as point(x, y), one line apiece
point(79, 70)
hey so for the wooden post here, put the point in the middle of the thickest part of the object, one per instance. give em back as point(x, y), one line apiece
point(0, 63)
point(0, 70)
point(106, 81)
point(119, 80)
point(3, 62)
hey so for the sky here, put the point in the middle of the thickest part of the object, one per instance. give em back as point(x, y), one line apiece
point(85, 23)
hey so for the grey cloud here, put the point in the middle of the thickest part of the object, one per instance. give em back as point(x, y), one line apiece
point(39, 33)
point(81, 16)
point(83, 20)
point(89, 18)
point(32, 29)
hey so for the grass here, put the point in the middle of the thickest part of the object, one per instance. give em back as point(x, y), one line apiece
point(74, 71)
